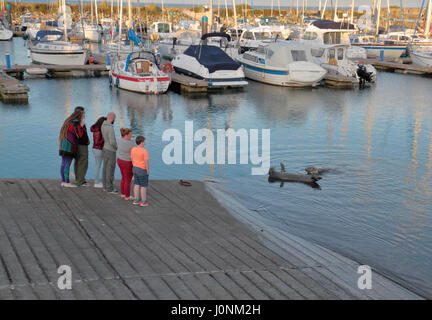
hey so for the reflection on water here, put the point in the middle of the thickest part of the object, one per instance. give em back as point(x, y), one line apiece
point(375, 206)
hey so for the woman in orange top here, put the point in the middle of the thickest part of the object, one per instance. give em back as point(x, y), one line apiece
point(140, 162)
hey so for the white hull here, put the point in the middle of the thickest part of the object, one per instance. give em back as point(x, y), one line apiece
point(390, 52)
point(5, 35)
point(59, 58)
point(284, 77)
point(147, 84)
point(421, 58)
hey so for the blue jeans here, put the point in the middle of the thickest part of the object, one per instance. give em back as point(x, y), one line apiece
point(98, 154)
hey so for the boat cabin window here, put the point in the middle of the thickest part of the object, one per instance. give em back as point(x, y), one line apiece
point(404, 38)
point(260, 50)
point(332, 38)
point(163, 28)
point(298, 55)
point(340, 54)
point(262, 35)
point(250, 57)
point(331, 53)
point(277, 34)
point(142, 67)
point(317, 52)
point(394, 37)
point(355, 40)
point(248, 36)
point(269, 53)
point(310, 35)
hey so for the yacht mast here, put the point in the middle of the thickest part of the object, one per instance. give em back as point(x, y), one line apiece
point(428, 18)
point(96, 12)
point(378, 16)
point(64, 21)
point(120, 22)
point(271, 10)
point(226, 11)
point(279, 8)
point(211, 15)
point(163, 11)
point(235, 17)
point(91, 12)
point(129, 14)
point(335, 13)
point(352, 11)
point(324, 9)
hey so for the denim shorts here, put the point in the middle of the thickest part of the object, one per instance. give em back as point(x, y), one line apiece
point(140, 177)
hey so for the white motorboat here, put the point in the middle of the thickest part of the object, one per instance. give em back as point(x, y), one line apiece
point(210, 63)
point(140, 72)
point(5, 33)
point(283, 63)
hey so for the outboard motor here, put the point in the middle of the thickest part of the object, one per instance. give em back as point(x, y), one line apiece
point(364, 75)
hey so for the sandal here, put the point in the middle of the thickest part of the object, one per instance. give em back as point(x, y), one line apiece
point(185, 183)
point(136, 202)
point(144, 203)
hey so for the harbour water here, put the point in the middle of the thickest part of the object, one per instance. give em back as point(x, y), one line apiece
point(373, 206)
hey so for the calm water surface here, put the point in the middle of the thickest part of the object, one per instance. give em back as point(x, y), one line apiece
point(375, 206)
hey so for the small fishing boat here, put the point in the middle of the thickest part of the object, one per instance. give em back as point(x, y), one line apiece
point(341, 71)
point(210, 63)
point(140, 72)
point(283, 63)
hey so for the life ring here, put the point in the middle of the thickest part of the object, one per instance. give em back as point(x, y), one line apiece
point(333, 62)
point(167, 65)
point(154, 36)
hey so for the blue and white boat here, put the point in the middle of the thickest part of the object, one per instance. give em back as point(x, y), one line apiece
point(282, 63)
point(386, 50)
point(211, 64)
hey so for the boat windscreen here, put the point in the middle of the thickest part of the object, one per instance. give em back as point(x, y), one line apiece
point(212, 57)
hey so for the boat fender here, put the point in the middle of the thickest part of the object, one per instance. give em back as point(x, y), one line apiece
point(167, 65)
point(158, 59)
point(333, 62)
point(154, 37)
point(110, 79)
point(117, 82)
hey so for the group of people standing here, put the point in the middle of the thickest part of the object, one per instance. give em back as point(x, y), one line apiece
point(132, 159)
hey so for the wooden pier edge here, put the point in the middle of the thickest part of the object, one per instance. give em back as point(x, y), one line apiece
point(343, 269)
point(185, 245)
point(403, 68)
point(11, 90)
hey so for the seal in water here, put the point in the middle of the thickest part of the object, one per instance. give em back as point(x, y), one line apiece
point(320, 171)
point(284, 176)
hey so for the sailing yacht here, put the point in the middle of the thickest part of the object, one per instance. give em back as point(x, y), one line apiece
point(59, 51)
point(140, 72)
